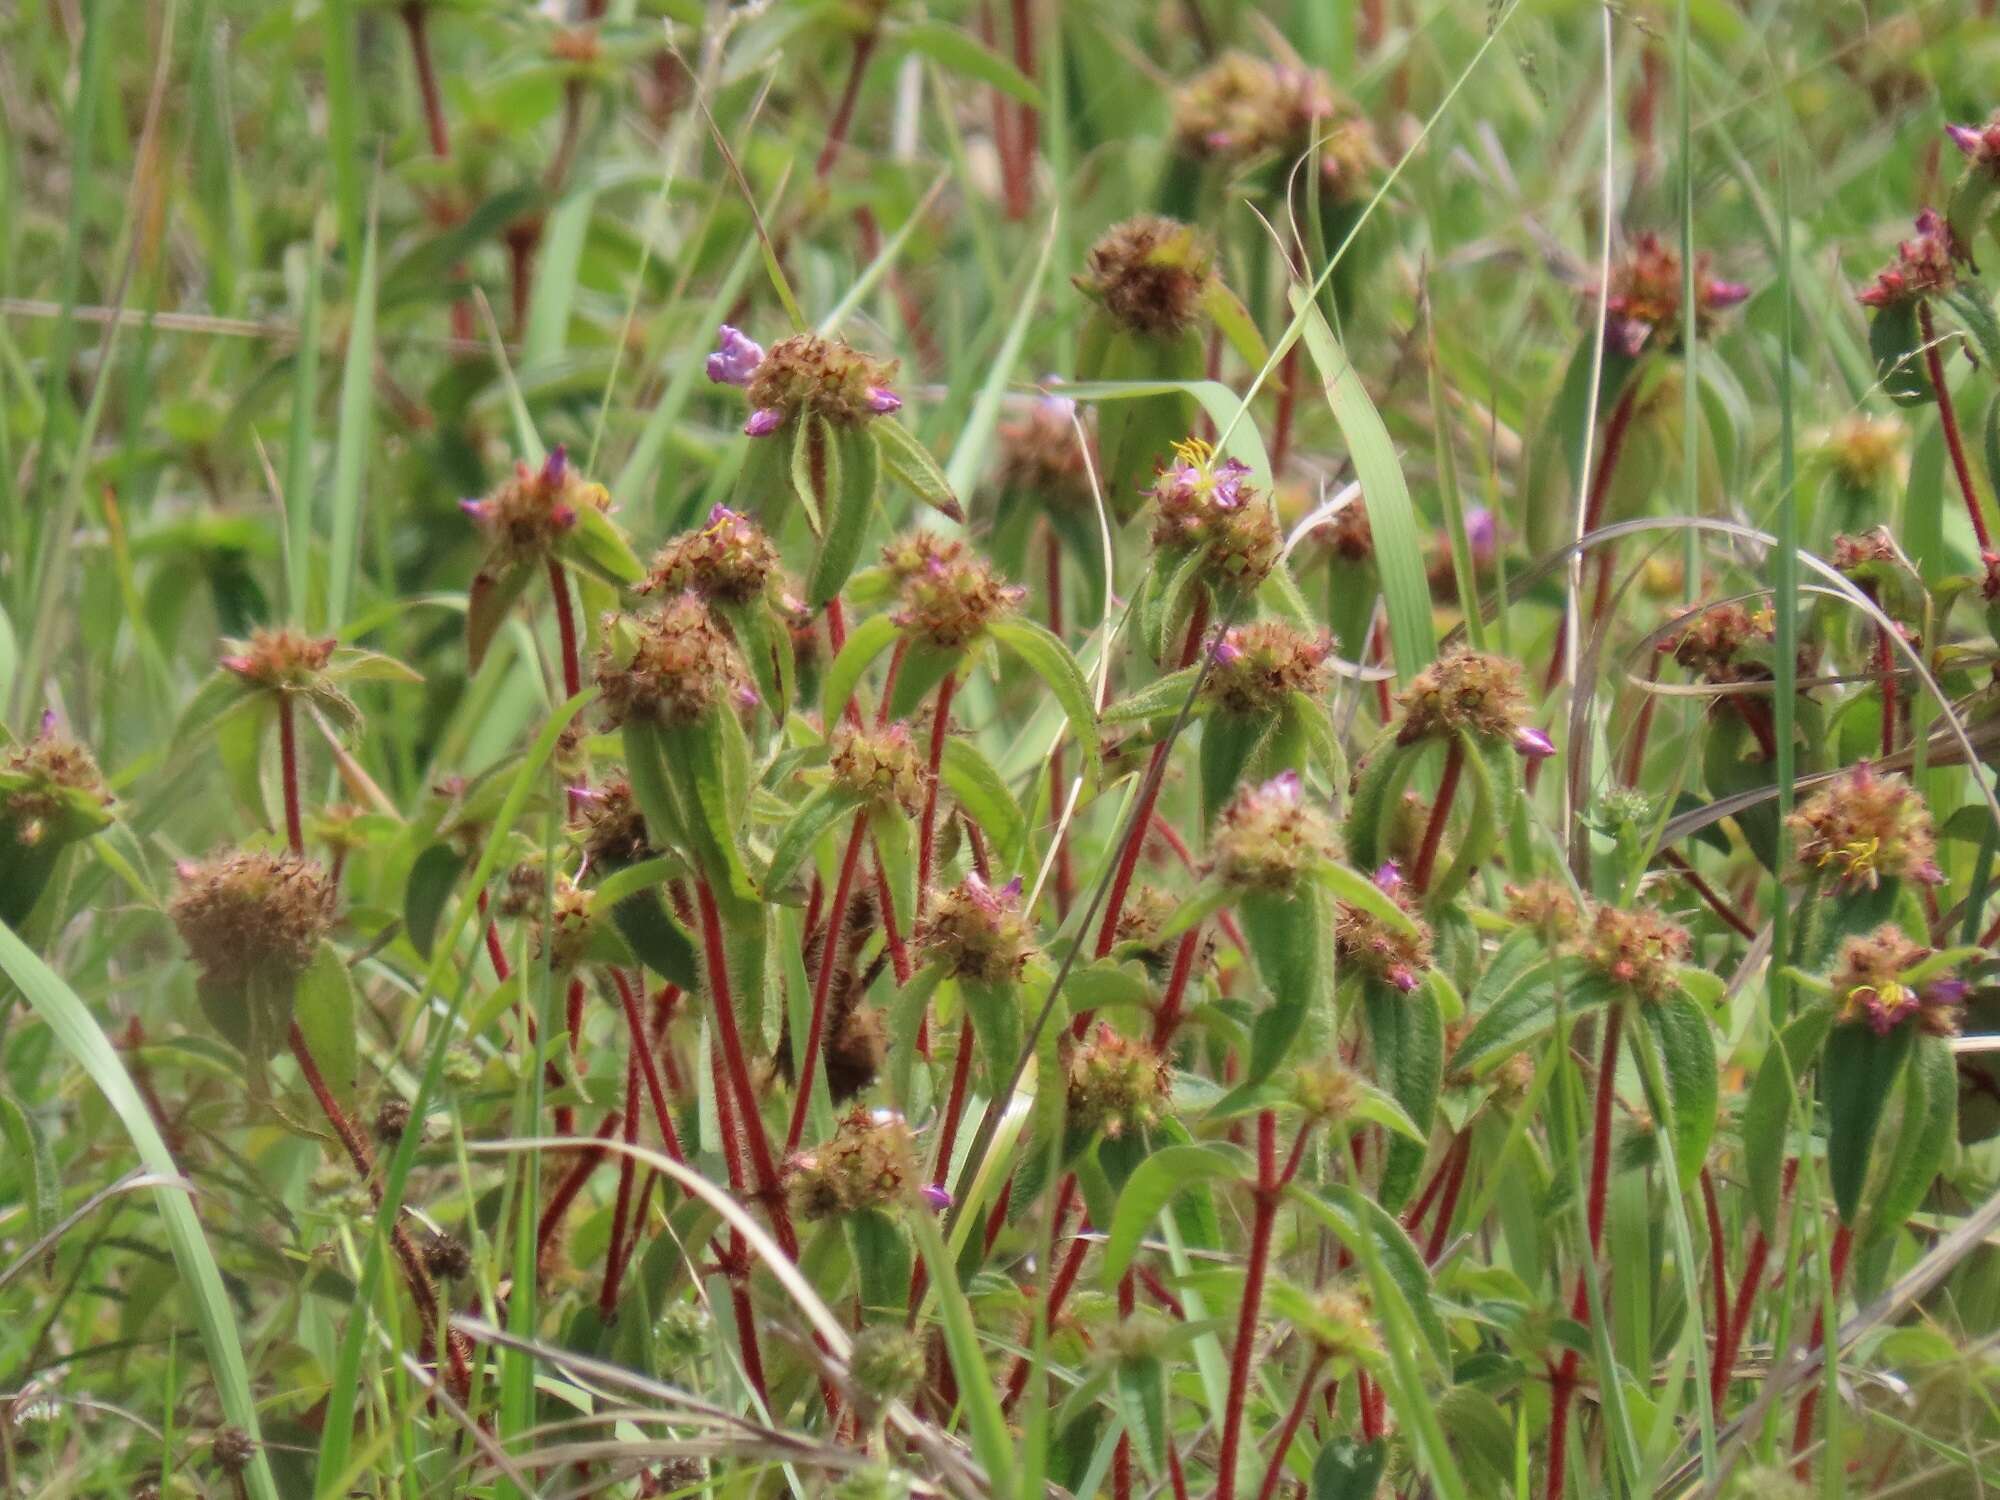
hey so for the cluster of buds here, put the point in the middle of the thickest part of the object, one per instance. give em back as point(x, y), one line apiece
point(1862, 827)
point(670, 665)
point(1242, 107)
point(51, 788)
point(871, 1162)
point(886, 1366)
point(534, 508)
point(1473, 691)
point(571, 926)
point(978, 932)
point(1041, 455)
point(1547, 907)
point(1202, 502)
point(1342, 1325)
point(284, 660)
point(1150, 274)
point(1925, 265)
point(1397, 957)
point(252, 913)
point(1115, 1084)
point(1255, 668)
point(1864, 451)
point(949, 600)
point(1979, 143)
point(880, 766)
point(610, 825)
point(1870, 986)
point(1325, 1089)
point(730, 560)
point(1269, 837)
point(1711, 636)
point(804, 375)
point(1638, 949)
point(392, 1118)
point(1642, 304)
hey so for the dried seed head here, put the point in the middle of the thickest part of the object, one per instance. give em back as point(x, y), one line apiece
point(1204, 503)
point(1150, 274)
point(670, 665)
point(1042, 458)
point(392, 1118)
point(1861, 827)
point(977, 932)
point(232, 1449)
point(284, 660)
point(1378, 947)
point(1255, 668)
point(1241, 106)
point(883, 767)
point(1925, 265)
point(1115, 1084)
point(535, 508)
point(1866, 451)
point(1140, 922)
point(1468, 690)
point(1713, 635)
point(50, 789)
point(1637, 948)
point(730, 560)
point(808, 375)
point(446, 1257)
point(1643, 304)
point(949, 602)
point(1546, 906)
point(610, 826)
point(678, 1477)
point(871, 1162)
point(887, 1364)
point(1870, 987)
point(252, 912)
point(1270, 837)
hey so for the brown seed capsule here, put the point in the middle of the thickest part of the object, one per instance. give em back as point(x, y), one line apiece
point(730, 559)
point(232, 1449)
point(669, 665)
point(392, 1118)
point(1150, 274)
point(612, 829)
point(977, 932)
point(446, 1257)
point(252, 912)
point(1469, 690)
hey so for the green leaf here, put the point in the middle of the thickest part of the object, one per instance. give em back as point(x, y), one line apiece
point(1523, 1012)
point(1406, 1035)
point(1228, 743)
point(1159, 699)
point(221, 695)
point(853, 478)
point(980, 789)
point(1290, 940)
point(1050, 660)
point(1924, 1138)
point(596, 545)
point(815, 817)
point(997, 1024)
point(1152, 1185)
point(865, 642)
point(323, 1006)
point(1353, 1215)
point(487, 603)
point(1226, 310)
point(991, 1444)
point(1857, 1075)
point(354, 443)
point(432, 876)
point(896, 854)
point(960, 53)
point(881, 1261)
point(812, 493)
point(1767, 1112)
point(34, 1165)
point(646, 923)
point(1686, 1045)
point(1346, 1469)
point(910, 464)
point(1378, 790)
point(1896, 343)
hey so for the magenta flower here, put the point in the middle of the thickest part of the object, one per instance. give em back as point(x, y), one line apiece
point(1388, 877)
point(555, 468)
point(764, 421)
point(882, 400)
point(935, 1198)
point(1482, 531)
point(735, 359)
point(1532, 745)
point(1979, 143)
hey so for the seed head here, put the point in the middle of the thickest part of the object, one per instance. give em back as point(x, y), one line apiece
point(1546, 906)
point(950, 601)
point(681, 1332)
point(871, 1162)
point(1140, 923)
point(1115, 1084)
point(252, 912)
point(1636, 948)
point(887, 1364)
point(1869, 987)
point(1923, 267)
point(670, 665)
point(535, 508)
point(978, 932)
point(50, 788)
point(730, 560)
point(809, 375)
point(1865, 553)
point(1380, 948)
point(1643, 304)
point(1270, 837)
point(573, 922)
point(1861, 827)
point(232, 1449)
point(1709, 641)
point(446, 1257)
point(1257, 667)
point(1467, 690)
point(283, 660)
point(1204, 503)
point(883, 767)
point(609, 825)
point(1346, 535)
point(392, 1118)
point(1866, 451)
point(1042, 457)
point(1150, 274)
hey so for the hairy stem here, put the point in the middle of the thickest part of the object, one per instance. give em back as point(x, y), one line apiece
point(614, 1255)
point(1948, 416)
point(1593, 509)
point(927, 830)
point(1454, 767)
point(829, 959)
point(572, 663)
point(642, 1053)
point(288, 757)
point(1265, 1218)
point(1843, 1245)
point(843, 113)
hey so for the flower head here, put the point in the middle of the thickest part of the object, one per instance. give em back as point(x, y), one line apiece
point(611, 827)
point(1636, 948)
point(278, 660)
point(1341, 1322)
point(527, 515)
point(1643, 300)
point(670, 665)
point(1150, 274)
point(1042, 456)
point(1207, 504)
point(1979, 143)
point(735, 359)
point(1711, 636)
point(1866, 451)
point(1872, 987)
point(730, 560)
point(951, 599)
point(1861, 827)
point(871, 1162)
point(1255, 668)
point(1242, 107)
point(1270, 837)
point(1115, 1084)
point(1397, 956)
point(887, 1364)
point(1546, 906)
point(809, 375)
point(50, 791)
point(883, 767)
point(1924, 265)
point(571, 926)
point(978, 932)
point(1467, 690)
point(252, 913)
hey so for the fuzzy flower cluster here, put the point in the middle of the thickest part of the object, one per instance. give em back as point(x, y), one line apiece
point(1643, 301)
point(1270, 837)
point(534, 508)
point(1710, 637)
point(279, 660)
point(1547, 907)
point(1865, 451)
point(1347, 534)
point(730, 560)
point(887, 1364)
point(1201, 502)
point(880, 766)
point(571, 926)
point(1140, 923)
point(917, 551)
point(1398, 958)
point(1254, 668)
point(1869, 987)
point(45, 781)
point(670, 665)
point(950, 598)
point(1115, 1084)
point(978, 932)
point(1639, 949)
point(871, 1162)
point(1150, 274)
point(611, 828)
point(1861, 828)
point(1865, 553)
point(252, 913)
point(1979, 143)
point(1342, 1324)
point(1475, 691)
point(1041, 457)
point(804, 375)
point(1325, 1088)
point(1241, 107)
point(1925, 265)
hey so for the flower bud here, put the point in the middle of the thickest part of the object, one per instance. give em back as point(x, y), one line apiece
point(1636, 948)
point(882, 767)
point(446, 1257)
point(670, 665)
point(532, 510)
point(1150, 274)
point(1115, 1084)
point(1980, 144)
point(1869, 987)
point(1924, 266)
point(392, 1118)
point(681, 1333)
point(1860, 827)
point(278, 660)
point(1325, 1088)
point(871, 1162)
point(806, 375)
point(730, 559)
point(1468, 690)
point(1643, 304)
point(1269, 837)
point(1342, 1324)
point(1255, 668)
point(977, 932)
point(252, 913)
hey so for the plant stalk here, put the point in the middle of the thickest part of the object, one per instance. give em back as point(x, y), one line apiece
point(1266, 1192)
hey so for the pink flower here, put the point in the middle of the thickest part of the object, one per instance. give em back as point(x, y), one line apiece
point(735, 358)
point(1388, 877)
point(882, 400)
point(764, 421)
point(1533, 745)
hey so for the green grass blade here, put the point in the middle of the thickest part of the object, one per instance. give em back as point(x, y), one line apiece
point(969, 456)
point(299, 447)
point(354, 444)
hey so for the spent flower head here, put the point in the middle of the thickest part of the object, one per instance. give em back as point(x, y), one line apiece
point(806, 375)
point(609, 825)
point(1380, 948)
point(51, 790)
point(1270, 836)
point(1861, 827)
point(535, 507)
point(670, 665)
point(1116, 1084)
point(730, 560)
point(977, 932)
point(949, 601)
point(1637, 948)
point(1865, 451)
point(1342, 1323)
point(1925, 265)
point(1643, 301)
point(282, 660)
point(1150, 274)
point(1468, 690)
point(883, 767)
point(1545, 906)
point(1872, 986)
point(1042, 457)
point(871, 1162)
point(1255, 668)
point(252, 912)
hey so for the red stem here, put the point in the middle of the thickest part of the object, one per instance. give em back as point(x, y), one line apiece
point(1731, 1337)
point(1454, 1184)
point(927, 831)
point(635, 1023)
point(1170, 836)
point(1635, 759)
point(416, 16)
point(1288, 399)
point(1265, 1218)
point(1885, 664)
point(899, 953)
point(1065, 887)
point(1121, 1458)
point(737, 1267)
point(288, 755)
point(829, 958)
point(1707, 893)
point(1718, 1273)
point(614, 1258)
point(586, 1162)
point(843, 114)
point(1593, 510)
point(1378, 650)
point(1948, 415)
point(572, 663)
point(1167, 1019)
point(1454, 765)
point(501, 968)
point(1027, 142)
point(954, 1108)
point(1843, 1243)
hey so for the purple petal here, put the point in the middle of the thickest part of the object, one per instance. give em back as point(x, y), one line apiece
point(764, 421)
point(1225, 651)
point(1726, 293)
point(735, 359)
point(882, 400)
point(1946, 992)
point(476, 509)
point(48, 723)
point(1283, 787)
point(1012, 889)
point(556, 468)
point(935, 1197)
point(1388, 877)
point(1532, 745)
point(721, 515)
point(1966, 137)
point(1482, 531)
